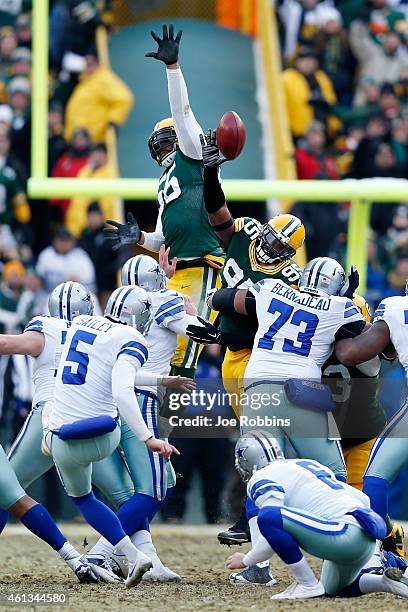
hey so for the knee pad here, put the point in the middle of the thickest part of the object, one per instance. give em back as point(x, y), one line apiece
point(269, 517)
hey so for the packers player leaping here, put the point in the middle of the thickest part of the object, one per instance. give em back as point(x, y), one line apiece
point(182, 222)
point(253, 251)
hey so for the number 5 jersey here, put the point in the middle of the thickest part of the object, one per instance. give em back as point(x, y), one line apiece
point(297, 331)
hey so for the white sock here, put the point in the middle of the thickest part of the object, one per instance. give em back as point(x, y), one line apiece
point(143, 541)
point(126, 547)
point(102, 547)
point(373, 583)
point(68, 552)
point(303, 573)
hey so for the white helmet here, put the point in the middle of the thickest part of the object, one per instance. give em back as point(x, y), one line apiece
point(255, 450)
point(322, 276)
point(143, 271)
point(68, 300)
point(132, 306)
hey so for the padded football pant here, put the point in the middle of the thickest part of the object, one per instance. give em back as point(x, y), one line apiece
point(307, 430)
point(151, 474)
point(389, 455)
point(233, 370)
point(345, 548)
point(111, 476)
point(356, 462)
point(74, 458)
point(196, 283)
point(10, 488)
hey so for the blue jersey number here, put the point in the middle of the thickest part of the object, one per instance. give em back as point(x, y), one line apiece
point(286, 314)
point(321, 475)
point(79, 357)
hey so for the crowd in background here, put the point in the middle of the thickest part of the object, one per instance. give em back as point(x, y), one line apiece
point(346, 84)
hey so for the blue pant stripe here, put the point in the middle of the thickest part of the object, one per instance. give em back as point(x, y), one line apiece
point(148, 412)
point(20, 436)
point(384, 434)
point(313, 523)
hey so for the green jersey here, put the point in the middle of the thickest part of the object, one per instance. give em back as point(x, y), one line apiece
point(242, 270)
point(9, 188)
point(186, 228)
point(358, 415)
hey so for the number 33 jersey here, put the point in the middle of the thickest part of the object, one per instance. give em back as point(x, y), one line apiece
point(242, 270)
point(296, 331)
point(83, 386)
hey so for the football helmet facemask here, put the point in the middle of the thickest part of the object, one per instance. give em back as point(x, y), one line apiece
point(163, 142)
point(279, 239)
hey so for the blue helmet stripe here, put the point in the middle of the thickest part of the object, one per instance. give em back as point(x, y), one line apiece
point(60, 302)
point(69, 317)
point(319, 269)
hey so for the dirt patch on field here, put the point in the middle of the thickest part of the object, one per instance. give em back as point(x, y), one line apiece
point(28, 566)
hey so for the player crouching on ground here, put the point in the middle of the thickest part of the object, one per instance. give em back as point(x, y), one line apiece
point(299, 503)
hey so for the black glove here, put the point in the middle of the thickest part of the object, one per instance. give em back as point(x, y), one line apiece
point(351, 283)
point(208, 334)
point(125, 233)
point(168, 46)
point(212, 156)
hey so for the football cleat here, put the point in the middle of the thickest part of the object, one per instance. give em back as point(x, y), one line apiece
point(160, 574)
point(137, 568)
point(120, 564)
point(83, 570)
point(394, 541)
point(301, 591)
point(237, 534)
point(253, 575)
point(103, 568)
point(396, 582)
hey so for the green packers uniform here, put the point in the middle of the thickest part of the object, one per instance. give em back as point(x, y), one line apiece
point(10, 188)
point(242, 270)
point(192, 240)
point(358, 415)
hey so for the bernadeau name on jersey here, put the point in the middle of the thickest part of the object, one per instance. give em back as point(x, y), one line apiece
point(310, 301)
point(102, 326)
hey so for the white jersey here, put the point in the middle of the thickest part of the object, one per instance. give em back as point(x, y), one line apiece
point(305, 485)
point(394, 311)
point(167, 306)
point(46, 364)
point(83, 386)
point(296, 331)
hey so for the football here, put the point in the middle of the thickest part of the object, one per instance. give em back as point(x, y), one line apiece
point(231, 135)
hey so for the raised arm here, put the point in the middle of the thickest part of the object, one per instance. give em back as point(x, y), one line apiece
point(232, 301)
point(187, 128)
point(28, 343)
point(219, 214)
point(374, 341)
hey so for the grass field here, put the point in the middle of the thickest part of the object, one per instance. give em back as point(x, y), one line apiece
point(27, 565)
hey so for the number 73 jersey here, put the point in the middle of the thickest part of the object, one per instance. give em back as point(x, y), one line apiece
point(242, 270)
point(296, 331)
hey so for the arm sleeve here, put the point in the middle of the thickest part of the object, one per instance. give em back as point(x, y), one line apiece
point(154, 240)
point(179, 326)
point(350, 330)
point(214, 197)
point(188, 129)
point(261, 549)
point(123, 382)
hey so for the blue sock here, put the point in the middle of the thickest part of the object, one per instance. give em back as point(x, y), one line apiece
point(377, 490)
point(353, 589)
point(283, 543)
point(4, 517)
point(100, 517)
point(134, 512)
point(39, 521)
